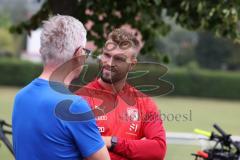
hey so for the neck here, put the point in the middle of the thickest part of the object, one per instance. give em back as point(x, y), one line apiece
point(115, 87)
point(51, 73)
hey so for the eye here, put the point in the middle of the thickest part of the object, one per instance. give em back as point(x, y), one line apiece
point(107, 55)
point(120, 59)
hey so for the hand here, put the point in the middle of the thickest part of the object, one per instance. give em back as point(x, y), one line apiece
point(107, 140)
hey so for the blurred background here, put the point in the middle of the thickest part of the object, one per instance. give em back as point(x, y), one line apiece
point(197, 41)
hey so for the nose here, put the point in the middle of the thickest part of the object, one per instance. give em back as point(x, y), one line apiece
point(106, 60)
point(109, 61)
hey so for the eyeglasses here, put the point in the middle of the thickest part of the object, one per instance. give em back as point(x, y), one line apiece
point(88, 52)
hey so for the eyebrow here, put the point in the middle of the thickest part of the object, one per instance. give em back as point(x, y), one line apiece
point(116, 54)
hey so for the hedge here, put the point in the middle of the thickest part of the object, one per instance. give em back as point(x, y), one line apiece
point(206, 84)
point(200, 83)
point(14, 72)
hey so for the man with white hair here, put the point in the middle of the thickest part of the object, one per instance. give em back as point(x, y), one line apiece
point(38, 133)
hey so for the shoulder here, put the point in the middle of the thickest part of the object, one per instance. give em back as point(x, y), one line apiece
point(144, 100)
point(77, 105)
point(25, 93)
point(71, 108)
point(88, 89)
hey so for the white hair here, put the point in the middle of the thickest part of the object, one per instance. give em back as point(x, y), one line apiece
point(60, 38)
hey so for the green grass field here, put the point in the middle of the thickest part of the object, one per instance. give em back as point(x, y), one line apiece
point(204, 112)
point(6, 103)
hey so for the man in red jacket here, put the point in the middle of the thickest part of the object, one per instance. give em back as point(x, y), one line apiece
point(131, 125)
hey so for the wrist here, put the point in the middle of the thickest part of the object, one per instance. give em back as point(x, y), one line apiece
point(114, 141)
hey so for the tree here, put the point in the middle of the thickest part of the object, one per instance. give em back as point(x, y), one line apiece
point(234, 60)
point(6, 40)
point(213, 53)
point(217, 16)
point(179, 44)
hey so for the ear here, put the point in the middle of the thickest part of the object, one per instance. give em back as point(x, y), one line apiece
point(78, 52)
point(133, 64)
point(77, 56)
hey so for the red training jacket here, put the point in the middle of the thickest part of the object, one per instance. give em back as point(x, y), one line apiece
point(133, 118)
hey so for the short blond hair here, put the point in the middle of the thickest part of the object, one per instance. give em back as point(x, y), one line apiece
point(119, 35)
point(60, 37)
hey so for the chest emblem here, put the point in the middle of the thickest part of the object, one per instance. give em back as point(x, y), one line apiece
point(133, 114)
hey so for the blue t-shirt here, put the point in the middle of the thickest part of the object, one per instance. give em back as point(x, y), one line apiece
point(38, 134)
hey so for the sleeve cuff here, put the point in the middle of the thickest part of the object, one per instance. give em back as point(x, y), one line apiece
point(94, 150)
point(119, 146)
